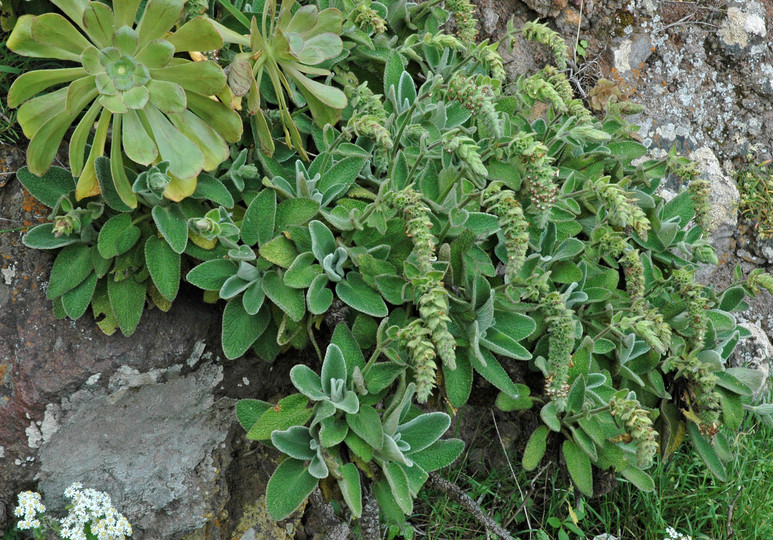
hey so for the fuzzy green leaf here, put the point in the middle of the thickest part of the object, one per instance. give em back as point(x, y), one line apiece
point(351, 488)
point(345, 341)
point(639, 478)
point(117, 236)
point(381, 375)
point(239, 329)
point(549, 415)
point(258, 223)
point(76, 301)
point(333, 431)
point(295, 442)
point(164, 267)
point(281, 251)
point(289, 300)
point(458, 382)
point(506, 403)
point(71, 267)
point(355, 293)
point(290, 411)
point(398, 483)
point(495, 373)
point(535, 448)
point(579, 467)
point(248, 411)
point(341, 175)
point(439, 454)
point(288, 487)
point(319, 298)
point(424, 430)
point(127, 301)
point(295, 212)
point(211, 275)
point(356, 444)
point(50, 187)
point(367, 425)
point(42, 237)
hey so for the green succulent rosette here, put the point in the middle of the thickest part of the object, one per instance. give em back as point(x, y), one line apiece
point(288, 49)
point(127, 78)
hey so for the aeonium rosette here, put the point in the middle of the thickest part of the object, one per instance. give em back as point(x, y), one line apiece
point(129, 78)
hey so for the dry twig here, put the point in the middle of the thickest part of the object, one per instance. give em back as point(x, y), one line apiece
point(457, 494)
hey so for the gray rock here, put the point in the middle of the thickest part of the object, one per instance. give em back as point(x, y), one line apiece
point(489, 19)
point(724, 200)
point(755, 352)
point(547, 8)
point(744, 25)
point(155, 448)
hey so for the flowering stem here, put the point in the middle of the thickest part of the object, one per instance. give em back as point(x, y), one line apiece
point(586, 414)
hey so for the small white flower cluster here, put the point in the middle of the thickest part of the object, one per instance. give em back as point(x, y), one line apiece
point(29, 508)
point(93, 507)
point(671, 534)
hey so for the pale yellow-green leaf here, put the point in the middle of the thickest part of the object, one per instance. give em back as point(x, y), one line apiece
point(31, 83)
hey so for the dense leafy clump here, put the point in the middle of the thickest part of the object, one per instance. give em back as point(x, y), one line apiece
point(454, 224)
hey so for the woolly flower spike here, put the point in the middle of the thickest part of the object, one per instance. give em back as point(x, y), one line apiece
point(464, 14)
point(488, 55)
point(638, 424)
point(653, 328)
point(621, 210)
point(370, 126)
point(634, 274)
point(758, 279)
point(479, 100)
point(541, 90)
point(433, 297)
point(560, 323)
point(704, 403)
point(699, 193)
point(543, 192)
point(612, 243)
point(29, 508)
point(504, 205)
point(415, 337)
point(558, 81)
point(418, 225)
point(534, 31)
point(365, 17)
point(369, 117)
point(444, 41)
point(433, 308)
point(466, 150)
point(692, 293)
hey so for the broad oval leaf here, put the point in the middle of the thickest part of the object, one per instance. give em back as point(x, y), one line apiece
point(164, 266)
point(239, 329)
point(71, 267)
point(424, 430)
point(355, 293)
point(579, 467)
point(288, 487)
point(366, 423)
point(535, 448)
point(295, 442)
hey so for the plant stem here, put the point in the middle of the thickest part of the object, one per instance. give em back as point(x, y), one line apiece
point(456, 493)
point(585, 414)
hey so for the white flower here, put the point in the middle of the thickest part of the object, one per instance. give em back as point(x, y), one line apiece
point(96, 508)
point(671, 534)
point(30, 506)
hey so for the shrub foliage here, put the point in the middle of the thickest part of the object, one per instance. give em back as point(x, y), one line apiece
point(453, 223)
